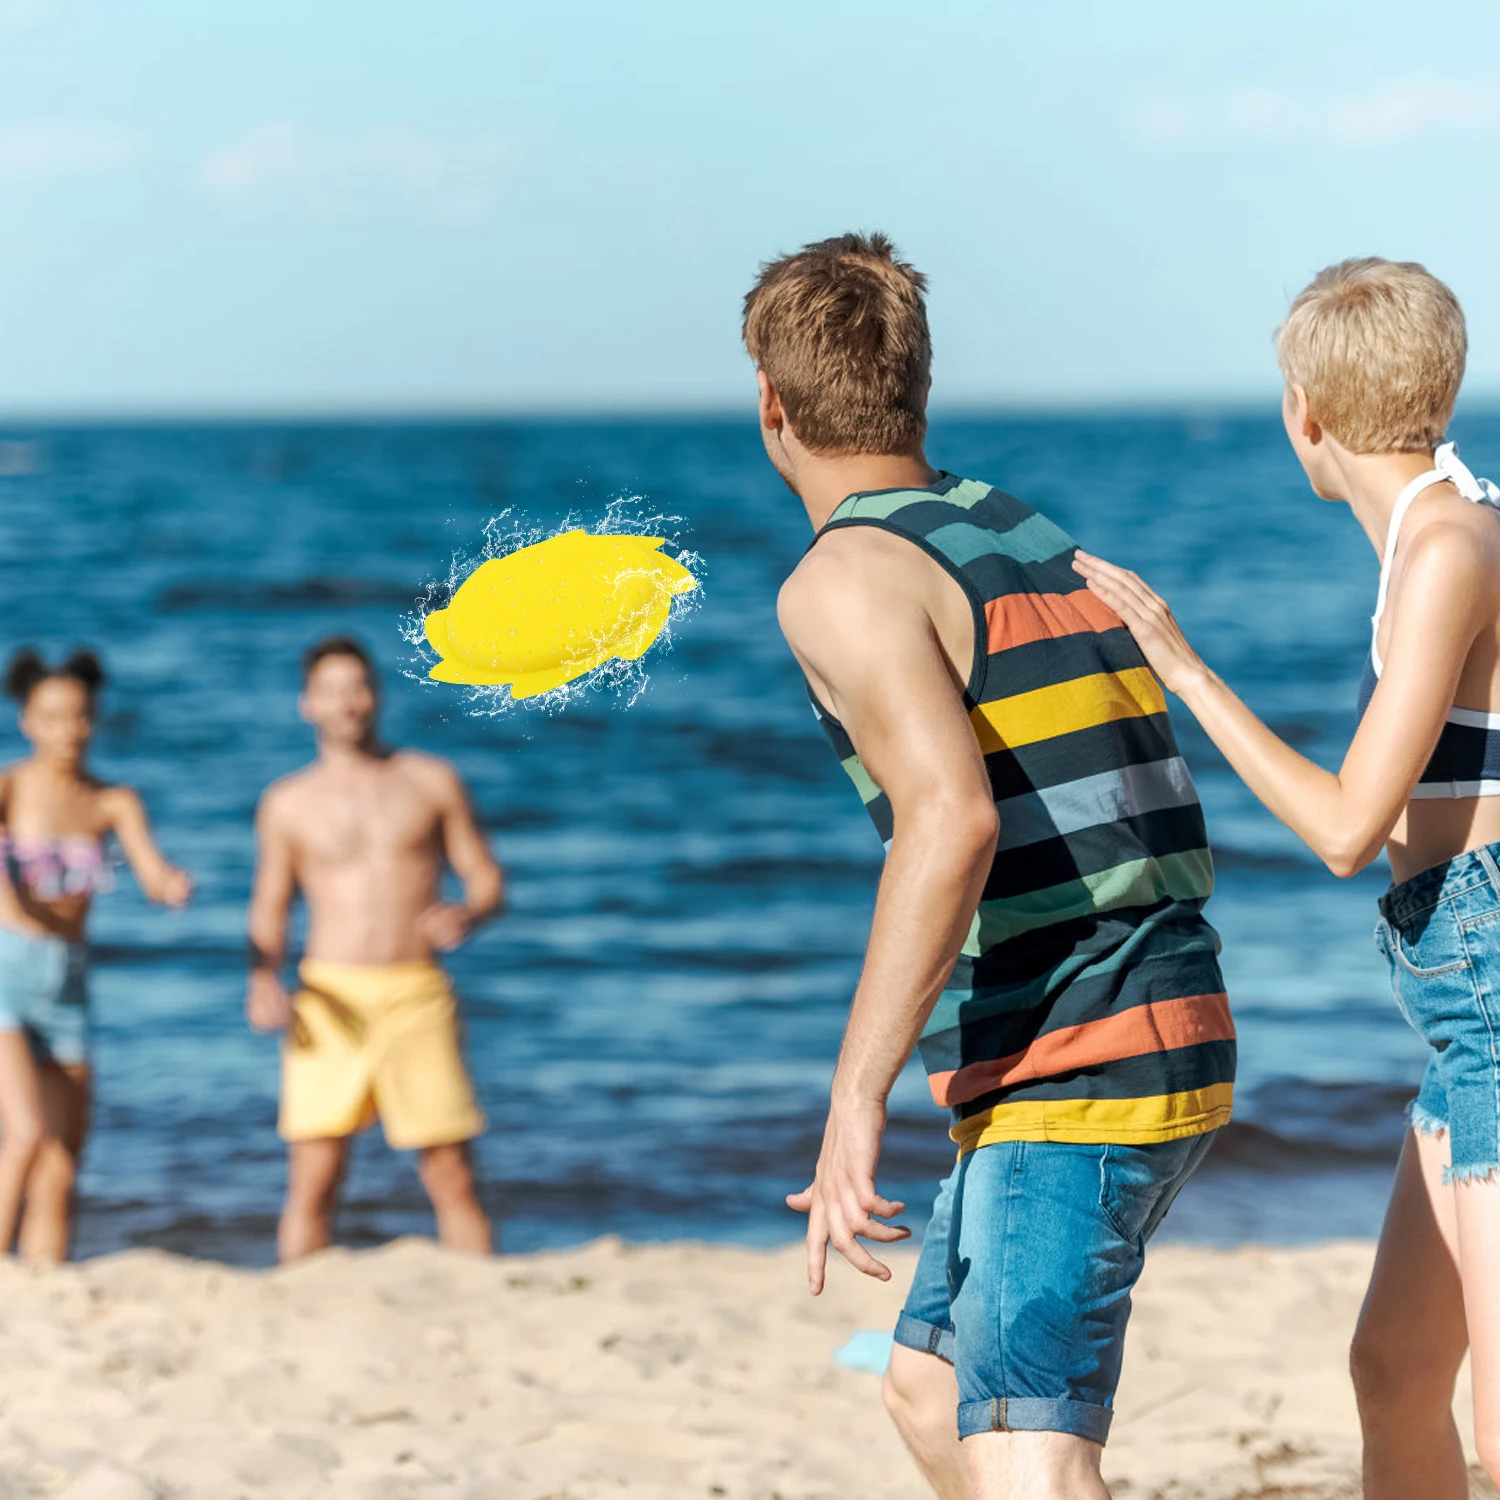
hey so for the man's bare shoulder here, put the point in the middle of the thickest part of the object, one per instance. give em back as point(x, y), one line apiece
point(436, 777)
point(287, 793)
point(857, 577)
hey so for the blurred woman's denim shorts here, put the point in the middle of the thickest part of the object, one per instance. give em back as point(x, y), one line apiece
point(44, 993)
point(1440, 933)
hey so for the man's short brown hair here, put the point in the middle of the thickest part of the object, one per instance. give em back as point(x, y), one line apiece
point(840, 330)
point(338, 645)
point(1379, 346)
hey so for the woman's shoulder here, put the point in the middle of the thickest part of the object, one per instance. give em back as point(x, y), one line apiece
point(1458, 547)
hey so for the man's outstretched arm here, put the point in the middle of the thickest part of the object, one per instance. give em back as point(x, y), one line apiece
point(855, 619)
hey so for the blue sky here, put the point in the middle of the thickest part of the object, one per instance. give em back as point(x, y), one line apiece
point(484, 205)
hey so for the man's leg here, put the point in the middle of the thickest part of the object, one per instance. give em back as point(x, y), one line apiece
point(47, 1223)
point(921, 1394)
point(1033, 1466)
point(447, 1173)
point(1048, 1241)
point(921, 1391)
point(1411, 1338)
point(314, 1171)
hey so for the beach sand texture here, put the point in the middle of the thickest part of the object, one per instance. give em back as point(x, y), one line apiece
point(676, 1370)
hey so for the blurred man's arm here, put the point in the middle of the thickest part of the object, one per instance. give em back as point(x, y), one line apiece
point(268, 1007)
point(854, 617)
point(447, 924)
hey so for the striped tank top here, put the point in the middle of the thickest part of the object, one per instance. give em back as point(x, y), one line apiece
point(1087, 1003)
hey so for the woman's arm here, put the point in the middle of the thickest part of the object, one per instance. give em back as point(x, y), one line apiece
point(160, 880)
point(1436, 611)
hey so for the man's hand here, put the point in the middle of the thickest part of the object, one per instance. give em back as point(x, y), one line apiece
point(842, 1202)
point(268, 1007)
point(445, 925)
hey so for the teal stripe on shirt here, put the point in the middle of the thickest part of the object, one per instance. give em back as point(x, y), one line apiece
point(965, 495)
point(1138, 882)
point(1035, 540)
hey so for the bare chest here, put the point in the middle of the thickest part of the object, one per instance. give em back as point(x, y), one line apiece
point(368, 825)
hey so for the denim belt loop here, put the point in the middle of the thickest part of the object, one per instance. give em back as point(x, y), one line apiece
point(1491, 868)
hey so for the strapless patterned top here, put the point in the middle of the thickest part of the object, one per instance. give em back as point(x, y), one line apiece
point(51, 869)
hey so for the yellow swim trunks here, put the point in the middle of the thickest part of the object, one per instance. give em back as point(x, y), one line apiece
point(376, 1041)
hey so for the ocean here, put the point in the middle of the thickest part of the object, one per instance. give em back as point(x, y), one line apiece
point(652, 1027)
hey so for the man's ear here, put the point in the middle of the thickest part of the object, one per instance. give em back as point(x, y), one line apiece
point(771, 415)
point(1310, 429)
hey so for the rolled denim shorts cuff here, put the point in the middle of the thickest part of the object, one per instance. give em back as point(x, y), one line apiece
point(912, 1333)
point(1035, 1414)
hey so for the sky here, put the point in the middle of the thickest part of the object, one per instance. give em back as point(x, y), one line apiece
point(321, 206)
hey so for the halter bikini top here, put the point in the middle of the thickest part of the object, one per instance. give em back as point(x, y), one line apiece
point(1466, 762)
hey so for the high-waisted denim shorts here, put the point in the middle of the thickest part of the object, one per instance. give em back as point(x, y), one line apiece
point(1440, 933)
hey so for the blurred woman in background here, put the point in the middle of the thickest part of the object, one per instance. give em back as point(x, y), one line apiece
point(55, 817)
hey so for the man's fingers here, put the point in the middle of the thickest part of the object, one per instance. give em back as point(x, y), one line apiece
point(858, 1257)
point(801, 1202)
point(859, 1214)
point(817, 1247)
point(887, 1234)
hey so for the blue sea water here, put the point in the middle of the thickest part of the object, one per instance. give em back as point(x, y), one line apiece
point(653, 1026)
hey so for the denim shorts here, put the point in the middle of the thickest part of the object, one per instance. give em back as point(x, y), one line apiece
point(44, 992)
point(1440, 933)
point(1025, 1276)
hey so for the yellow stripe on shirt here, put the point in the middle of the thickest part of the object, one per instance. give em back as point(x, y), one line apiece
point(1044, 713)
point(1130, 1122)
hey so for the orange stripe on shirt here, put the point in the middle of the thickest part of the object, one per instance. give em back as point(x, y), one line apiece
point(1019, 619)
point(1157, 1026)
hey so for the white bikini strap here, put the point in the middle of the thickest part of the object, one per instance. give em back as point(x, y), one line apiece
point(1448, 468)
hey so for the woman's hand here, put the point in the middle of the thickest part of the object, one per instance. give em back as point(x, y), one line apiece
point(175, 889)
point(1149, 619)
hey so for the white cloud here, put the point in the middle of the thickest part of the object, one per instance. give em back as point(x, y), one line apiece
point(279, 168)
point(1420, 107)
point(44, 150)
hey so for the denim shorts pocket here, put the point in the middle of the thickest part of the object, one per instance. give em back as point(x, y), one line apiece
point(1433, 946)
point(1128, 1189)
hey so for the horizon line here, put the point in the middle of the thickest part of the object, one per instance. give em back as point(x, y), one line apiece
point(462, 414)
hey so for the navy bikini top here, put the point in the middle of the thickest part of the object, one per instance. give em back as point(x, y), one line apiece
point(1466, 762)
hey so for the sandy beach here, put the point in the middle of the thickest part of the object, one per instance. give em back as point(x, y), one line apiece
point(612, 1370)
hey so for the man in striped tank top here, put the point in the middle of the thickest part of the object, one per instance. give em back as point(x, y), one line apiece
point(1038, 930)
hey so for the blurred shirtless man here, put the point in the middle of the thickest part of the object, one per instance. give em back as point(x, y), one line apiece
point(372, 1033)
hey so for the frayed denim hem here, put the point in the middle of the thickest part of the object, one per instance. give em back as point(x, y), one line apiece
point(1477, 1172)
point(1423, 1121)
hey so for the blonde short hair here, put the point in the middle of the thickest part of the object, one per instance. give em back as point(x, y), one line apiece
point(1379, 347)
